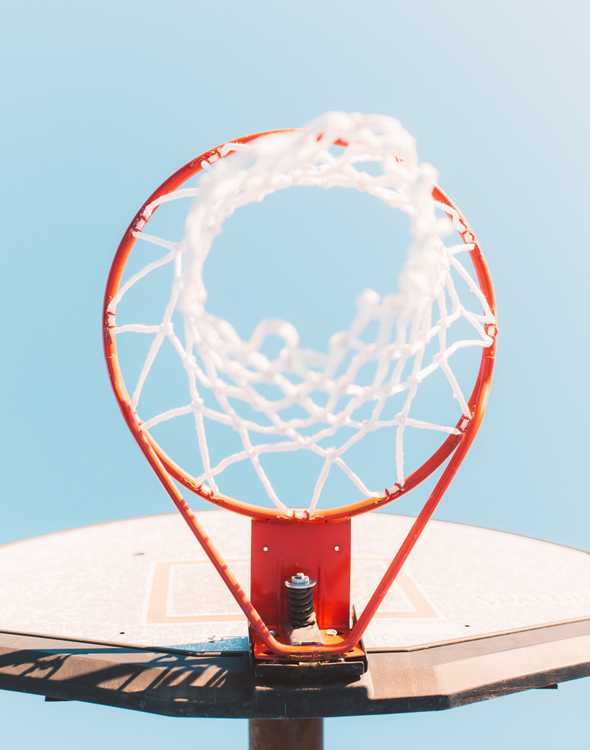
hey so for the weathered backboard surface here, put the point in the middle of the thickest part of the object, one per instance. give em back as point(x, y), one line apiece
point(132, 613)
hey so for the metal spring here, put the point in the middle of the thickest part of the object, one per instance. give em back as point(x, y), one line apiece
point(300, 600)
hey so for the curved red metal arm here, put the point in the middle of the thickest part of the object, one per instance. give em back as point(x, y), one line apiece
point(454, 446)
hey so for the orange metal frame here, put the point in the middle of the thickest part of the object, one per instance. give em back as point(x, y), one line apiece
point(454, 447)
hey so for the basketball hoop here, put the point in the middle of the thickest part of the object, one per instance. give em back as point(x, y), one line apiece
point(320, 404)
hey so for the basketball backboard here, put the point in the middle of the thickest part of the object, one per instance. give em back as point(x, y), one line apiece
point(131, 613)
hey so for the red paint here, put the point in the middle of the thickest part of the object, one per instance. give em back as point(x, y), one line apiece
point(322, 551)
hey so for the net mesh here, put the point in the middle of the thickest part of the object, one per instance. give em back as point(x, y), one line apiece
point(300, 399)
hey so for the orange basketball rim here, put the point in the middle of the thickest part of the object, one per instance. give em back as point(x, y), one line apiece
point(286, 529)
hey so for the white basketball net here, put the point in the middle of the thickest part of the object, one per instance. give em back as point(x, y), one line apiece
point(323, 385)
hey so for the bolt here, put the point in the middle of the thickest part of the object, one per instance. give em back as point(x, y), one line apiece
point(299, 580)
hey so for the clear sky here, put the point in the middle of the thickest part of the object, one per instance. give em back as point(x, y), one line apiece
point(102, 100)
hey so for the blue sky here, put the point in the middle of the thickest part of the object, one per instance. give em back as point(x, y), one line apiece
point(102, 100)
